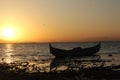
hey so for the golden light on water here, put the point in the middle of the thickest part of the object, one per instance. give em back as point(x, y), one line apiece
point(8, 53)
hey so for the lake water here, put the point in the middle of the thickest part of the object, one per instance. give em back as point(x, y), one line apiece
point(38, 52)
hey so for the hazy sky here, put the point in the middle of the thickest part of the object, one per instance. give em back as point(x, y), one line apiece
point(62, 20)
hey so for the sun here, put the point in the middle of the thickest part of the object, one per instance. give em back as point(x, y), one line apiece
point(8, 33)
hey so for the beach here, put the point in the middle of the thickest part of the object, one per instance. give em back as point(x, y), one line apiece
point(33, 61)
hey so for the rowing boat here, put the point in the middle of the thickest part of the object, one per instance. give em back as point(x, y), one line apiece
point(75, 52)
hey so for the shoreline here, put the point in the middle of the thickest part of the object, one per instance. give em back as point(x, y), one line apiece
point(15, 71)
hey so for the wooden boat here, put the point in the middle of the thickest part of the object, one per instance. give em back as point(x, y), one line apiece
point(75, 52)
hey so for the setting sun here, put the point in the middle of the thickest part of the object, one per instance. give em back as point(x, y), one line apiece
point(8, 33)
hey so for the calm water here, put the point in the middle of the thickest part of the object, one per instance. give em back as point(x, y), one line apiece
point(39, 52)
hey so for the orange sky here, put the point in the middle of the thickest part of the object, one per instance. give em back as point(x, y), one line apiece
point(61, 20)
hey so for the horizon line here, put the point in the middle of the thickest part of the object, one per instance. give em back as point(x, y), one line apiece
point(56, 42)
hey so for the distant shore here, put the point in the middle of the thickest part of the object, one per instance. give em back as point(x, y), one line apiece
point(37, 42)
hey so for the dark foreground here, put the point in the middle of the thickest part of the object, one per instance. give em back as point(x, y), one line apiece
point(20, 71)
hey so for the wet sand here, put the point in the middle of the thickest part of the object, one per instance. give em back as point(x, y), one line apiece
point(27, 71)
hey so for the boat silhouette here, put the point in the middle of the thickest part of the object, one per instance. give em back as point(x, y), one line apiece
point(75, 52)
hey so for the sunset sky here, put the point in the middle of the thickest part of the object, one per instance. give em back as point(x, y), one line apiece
point(59, 20)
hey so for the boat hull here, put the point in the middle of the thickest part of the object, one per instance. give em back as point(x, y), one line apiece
point(75, 52)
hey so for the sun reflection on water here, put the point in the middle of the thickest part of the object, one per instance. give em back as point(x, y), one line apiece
point(8, 53)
